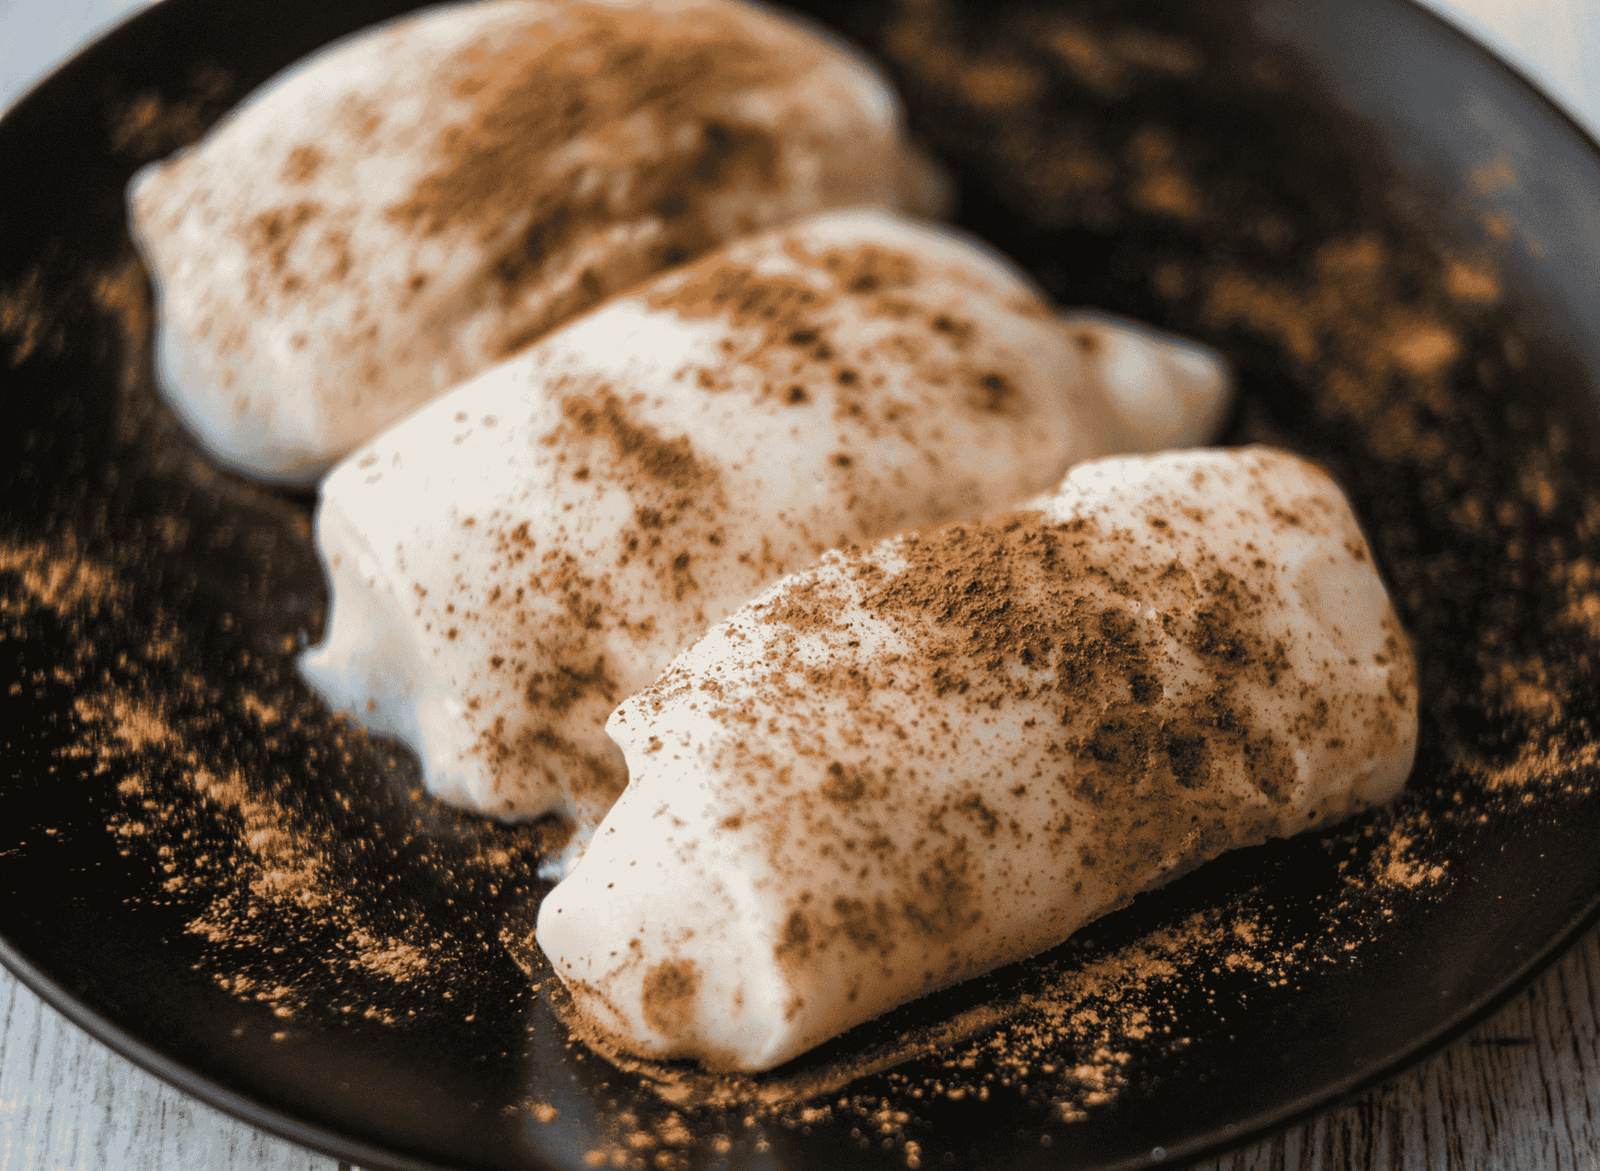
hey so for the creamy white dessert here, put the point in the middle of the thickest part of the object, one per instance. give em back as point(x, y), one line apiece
point(928, 758)
point(513, 560)
point(1167, 391)
point(418, 202)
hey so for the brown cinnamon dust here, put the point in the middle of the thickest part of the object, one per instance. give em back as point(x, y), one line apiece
point(593, 75)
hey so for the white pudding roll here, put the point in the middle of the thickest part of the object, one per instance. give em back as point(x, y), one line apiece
point(947, 751)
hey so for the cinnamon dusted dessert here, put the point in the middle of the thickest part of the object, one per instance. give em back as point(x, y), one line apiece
point(1164, 389)
point(927, 758)
point(516, 558)
point(418, 202)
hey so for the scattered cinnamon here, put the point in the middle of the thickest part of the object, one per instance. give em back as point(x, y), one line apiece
point(666, 462)
point(594, 77)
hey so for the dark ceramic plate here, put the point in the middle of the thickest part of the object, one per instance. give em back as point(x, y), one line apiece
point(1393, 238)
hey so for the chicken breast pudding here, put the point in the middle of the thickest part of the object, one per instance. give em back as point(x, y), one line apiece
point(930, 757)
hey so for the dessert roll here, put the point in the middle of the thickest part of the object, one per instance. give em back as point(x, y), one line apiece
point(1165, 390)
point(941, 753)
point(519, 556)
point(422, 200)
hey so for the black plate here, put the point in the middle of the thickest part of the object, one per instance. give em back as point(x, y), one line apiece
point(1390, 234)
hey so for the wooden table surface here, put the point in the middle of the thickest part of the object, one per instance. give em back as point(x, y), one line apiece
point(1521, 1092)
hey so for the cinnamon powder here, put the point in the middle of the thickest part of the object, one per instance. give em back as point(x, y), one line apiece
point(670, 463)
point(255, 873)
point(591, 82)
point(789, 318)
point(580, 77)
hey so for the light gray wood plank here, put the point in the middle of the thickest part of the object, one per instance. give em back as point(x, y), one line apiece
point(1555, 42)
point(68, 1103)
point(35, 34)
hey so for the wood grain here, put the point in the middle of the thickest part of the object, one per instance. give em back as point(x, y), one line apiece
point(68, 1102)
